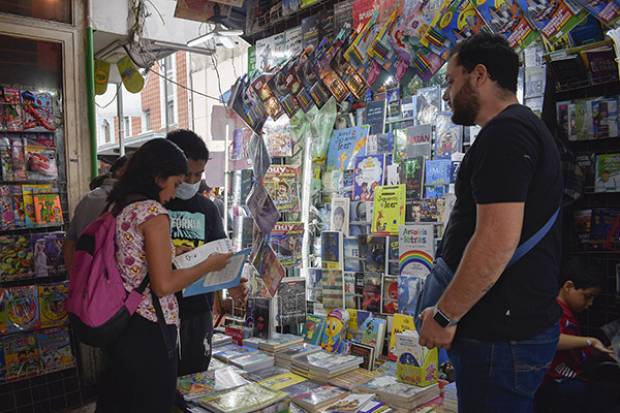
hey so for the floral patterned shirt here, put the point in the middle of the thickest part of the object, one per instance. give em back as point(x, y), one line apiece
point(131, 256)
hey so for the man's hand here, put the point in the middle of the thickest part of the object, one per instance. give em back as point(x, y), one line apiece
point(240, 292)
point(432, 334)
point(597, 345)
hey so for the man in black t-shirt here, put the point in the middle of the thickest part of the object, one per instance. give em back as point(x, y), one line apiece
point(498, 320)
point(194, 221)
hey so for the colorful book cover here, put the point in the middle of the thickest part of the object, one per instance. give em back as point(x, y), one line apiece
point(245, 103)
point(286, 241)
point(15, 257)
point(22, 308)
point(408, 288)
point(278, 136)
point(553, 18)
point(369, 173)
point(371, 295)
point(411, 173)
point(313, 329)
point(389, 304)
point(344, 146)
point(261, 317)
point(382, 143)
point(352, 78)
point(455, 22)
point(21, 356)
point(416, 249)
point(343, 13)
point(282, 381)
point(356, 320)
point(269, 268)
point(52, 300)
point(332, 250)
point(12, 109)
point(367, 353)
point(282, 184)
point(48, 257)
point(352, 259)
point(400, 324)
point(449, 138)
point(28, 192)
point(340, 209)
point(292, 305)
point(607, 12)
point(413, 142)
point(335, 333)
point(388, 209)
point(332, 290)
point(375, 257)
point(263, 209)
point(507, 19)
point(372, 333)
point(48, 209)
point(350, 299)
point(607, 173)
point(428, 105)
point(55, 349)
point(424, 210)
point(438, 173)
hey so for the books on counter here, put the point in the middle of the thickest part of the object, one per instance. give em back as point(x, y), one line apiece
point(319, 398)
point(219, 340)
point(245, 399)
point(196, 385)
point(353, 403)
point(399, 395)
point(253, 361)
point(282, 381)
point(353, 379)
point(313, 329)
point(285, 357)
point(280, 342)
point(231, 351)
point(264, 374)
point(323, 365)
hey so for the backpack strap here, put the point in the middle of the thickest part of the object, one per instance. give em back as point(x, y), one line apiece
point(534, 239)
point(161, 321)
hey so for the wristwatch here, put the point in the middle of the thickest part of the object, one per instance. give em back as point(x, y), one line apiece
point(442, 319)
point(589, 342)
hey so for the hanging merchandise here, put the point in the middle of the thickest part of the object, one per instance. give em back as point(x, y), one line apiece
point(132, 79)
point(102, 75)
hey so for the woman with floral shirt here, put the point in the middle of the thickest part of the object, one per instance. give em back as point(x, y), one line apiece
point(141, 371)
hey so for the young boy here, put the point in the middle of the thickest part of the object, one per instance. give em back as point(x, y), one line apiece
point(565, 388)
point(195, 221)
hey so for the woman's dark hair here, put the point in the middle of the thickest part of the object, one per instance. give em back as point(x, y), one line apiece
point(158, 158)
point(493, 52)
point(583, 275)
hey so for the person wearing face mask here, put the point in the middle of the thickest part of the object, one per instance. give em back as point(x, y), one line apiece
point(195, 221)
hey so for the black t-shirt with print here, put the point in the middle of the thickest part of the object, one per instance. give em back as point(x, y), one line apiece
point(514, 159)
point(195, 222)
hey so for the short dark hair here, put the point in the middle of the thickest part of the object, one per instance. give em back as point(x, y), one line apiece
point(190, 143)
point(583, 275)
point(97, 181)
point(158, 158)
point(118, 164)
point(492, 51)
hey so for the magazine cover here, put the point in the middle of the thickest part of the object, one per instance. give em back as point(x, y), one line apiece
point(411, 173)
point(340, 215)
point(375, 258)
point(332, 290)
point(388, 209)
point(607, 173)
point(371, 300)
point(507, 19)
point(553, 18)
point(413, 142)
point(416, 249)
point(263, 209)
point(369, 172)
point(239, 155)
point(381, 143)
point(332, 250)
point(261, 318)
point(47, 250)
point(424, 210)
point(437, 180)
point(449, 137)
point(344, 146)
point(21, 305)
point(268, 267)
point(15, 257)
point(282, 184)
point(607, 12)
point(286, 241)
point(408, 289)
point(292, 305)
point(278, 136)
point(21, 356)
point(428, 104)
point(389, 304)
point(352, 260)
point(52, 300)
point(48, 209)
point(313, 329)
point(55, 349)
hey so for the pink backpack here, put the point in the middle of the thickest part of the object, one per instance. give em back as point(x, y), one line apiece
point(99, 306)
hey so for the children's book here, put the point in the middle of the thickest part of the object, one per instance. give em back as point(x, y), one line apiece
point(449, 137)
point(371, 300)
point(55, 348)
point(332, 250)
point(607, 12)
point(22, 356)
point(388, 209)
point(424, 210)
point(47, 253)
point(416, 249)
point(48, 209)
point(52, 301)
point(282, 184)
point(28, 192)
point(356, 320)
point(411, 173)
point(15, 257)
point(400, 324)
point(292, 305)
point(22, 308)
point(268, 267)
point(389, 304)
point(607, 173)
point(368, 175)
point(278, 136)
point(335, 332)
point(344, 146)
point(508, 20)
point(413, 142)
point(286, 241)
point(554, 18)
point(375, 256)
point(313, 329)
point(340, 215)
point(438, 173)
point(332, 290)
point(408, 289)
point(372, 333)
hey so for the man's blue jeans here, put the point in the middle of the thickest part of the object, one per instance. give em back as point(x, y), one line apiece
point(501, 377)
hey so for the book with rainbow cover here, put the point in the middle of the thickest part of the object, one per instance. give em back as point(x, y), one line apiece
point(416, 243)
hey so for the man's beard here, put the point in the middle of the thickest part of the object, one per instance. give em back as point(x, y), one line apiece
point(465, 106)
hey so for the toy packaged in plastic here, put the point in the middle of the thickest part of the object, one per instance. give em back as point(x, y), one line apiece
point(22, 357)
point(52, 304)
point(15, 258)
point(40, 162)
point(55, 350)
point(10, 101)
point(22, 308)
point(47, 253)
point(37, 111)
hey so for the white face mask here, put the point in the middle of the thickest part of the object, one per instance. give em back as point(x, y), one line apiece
point(187, 191)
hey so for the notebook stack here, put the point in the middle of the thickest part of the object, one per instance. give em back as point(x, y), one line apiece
point(450, 402)
point(353, 379)
point(285, 357)
point(399, 395)
point(318, 399)
point(280, 342)
point(253, 361)
point(322, 366)
point(245, 399)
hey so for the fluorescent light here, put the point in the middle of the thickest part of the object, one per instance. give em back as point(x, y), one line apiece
point(200, 39)
point(231, 32)
point(226, 42)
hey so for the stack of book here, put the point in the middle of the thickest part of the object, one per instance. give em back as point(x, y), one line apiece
point(253, 342)
point(353, 403)
point(318, 399)
point(282, 381)
point(245, 399)
point(353, 379)
point(194, 386)
point(265, 373)
point(231, 351)
point(399, 395)
point(285, 357)
point(220, 340)
point(280, 342)
point(253, 362)
point(450, 402)
point(322, 367)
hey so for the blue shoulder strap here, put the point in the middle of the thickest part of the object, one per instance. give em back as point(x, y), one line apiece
point(534, 239)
